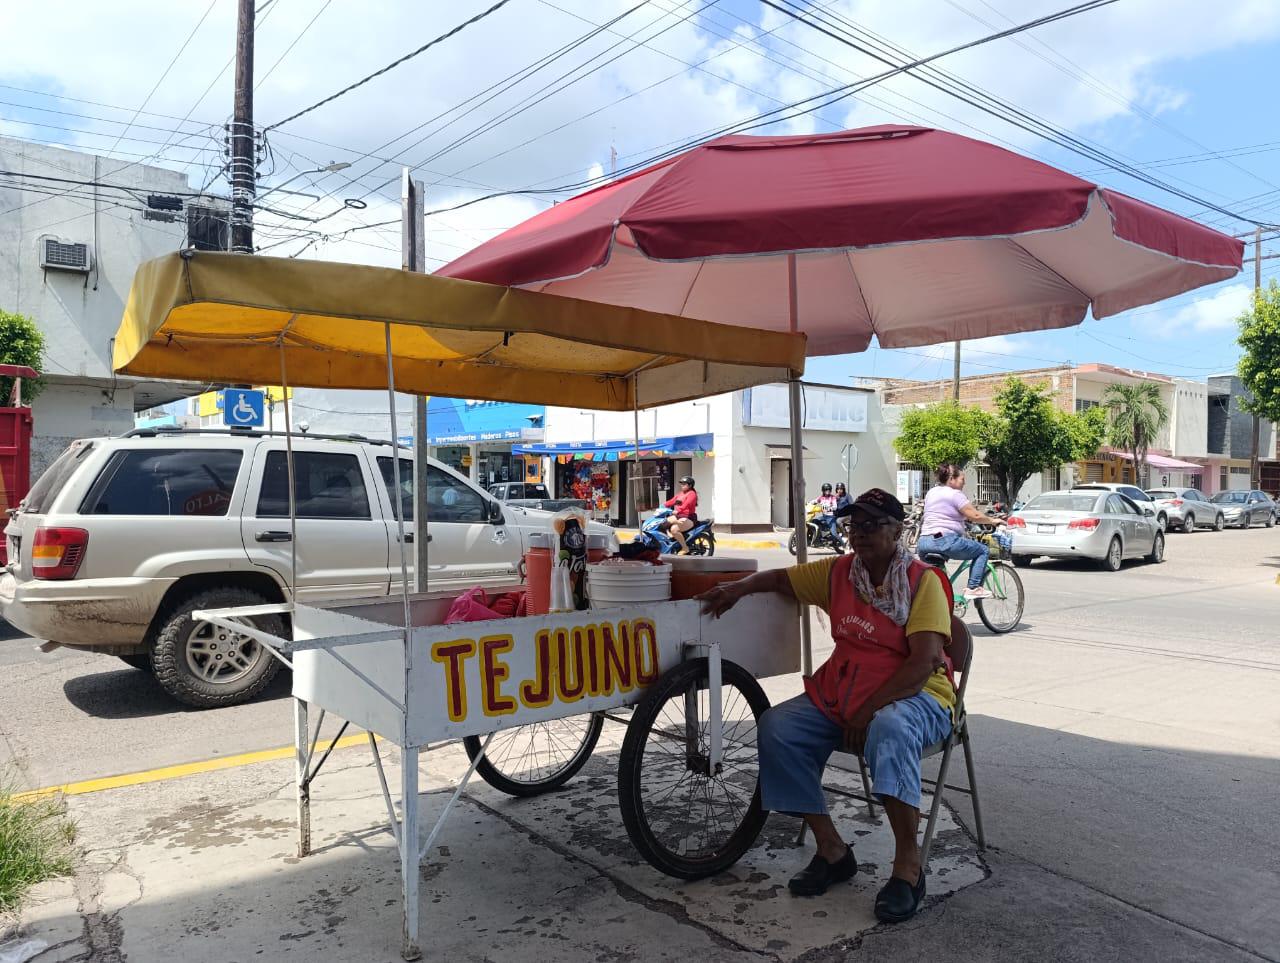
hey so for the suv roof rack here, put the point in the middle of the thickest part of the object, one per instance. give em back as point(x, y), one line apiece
point(163, 430)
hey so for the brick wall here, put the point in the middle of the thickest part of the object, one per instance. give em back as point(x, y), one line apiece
point(981, 390)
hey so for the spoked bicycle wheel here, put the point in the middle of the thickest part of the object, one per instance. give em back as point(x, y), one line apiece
point(684, 819)
point(1003, 611)
point(537, 758)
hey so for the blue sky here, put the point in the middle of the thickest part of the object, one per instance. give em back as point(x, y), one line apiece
point(1152, 81)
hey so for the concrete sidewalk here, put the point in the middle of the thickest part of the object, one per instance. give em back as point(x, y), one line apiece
point(204, 869)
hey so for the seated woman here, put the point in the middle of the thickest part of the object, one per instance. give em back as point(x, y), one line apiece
point(947, 511)
point(886, 692)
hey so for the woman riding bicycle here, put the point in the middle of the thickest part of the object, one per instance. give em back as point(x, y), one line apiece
point(947, 513)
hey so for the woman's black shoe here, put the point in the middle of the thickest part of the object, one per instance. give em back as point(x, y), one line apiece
point(898, 900)
point(814, 879)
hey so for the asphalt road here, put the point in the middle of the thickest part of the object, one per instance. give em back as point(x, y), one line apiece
point(67, 716)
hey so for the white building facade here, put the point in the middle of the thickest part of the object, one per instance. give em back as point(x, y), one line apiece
point(736, 446)
point(68, 251)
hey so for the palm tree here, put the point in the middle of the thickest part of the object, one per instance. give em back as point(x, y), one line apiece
point(1136, 414)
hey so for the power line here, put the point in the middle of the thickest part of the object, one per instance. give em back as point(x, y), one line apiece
point(302, 33)
point(954, 87)
point(395, 63)
point(501, 86)
point(1081, 74)
point(146, 100)
point(779, 114)
point(766, 118)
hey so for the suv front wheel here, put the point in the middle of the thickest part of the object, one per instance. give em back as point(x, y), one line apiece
point(205, 665)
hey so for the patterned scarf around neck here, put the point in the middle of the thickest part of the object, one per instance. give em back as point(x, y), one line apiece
point(893, 598)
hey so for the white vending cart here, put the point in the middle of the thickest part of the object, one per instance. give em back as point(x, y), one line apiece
point(687, 779)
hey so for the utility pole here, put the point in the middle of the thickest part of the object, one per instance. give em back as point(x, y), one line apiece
point(243, 140)
point(955, 376)
point(1255, 470)
point(414, 258)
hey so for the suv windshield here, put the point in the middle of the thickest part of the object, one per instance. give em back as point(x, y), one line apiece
point(48, 485)
point(1230, 498)
point(1077, 501)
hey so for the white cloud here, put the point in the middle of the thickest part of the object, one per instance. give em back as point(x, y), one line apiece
point(1217, 312)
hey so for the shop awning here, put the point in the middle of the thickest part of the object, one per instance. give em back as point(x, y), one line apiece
point(1163, 461)
point(666, 447)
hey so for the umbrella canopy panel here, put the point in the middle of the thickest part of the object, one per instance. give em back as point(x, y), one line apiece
point(227, 317)
point(909, 234)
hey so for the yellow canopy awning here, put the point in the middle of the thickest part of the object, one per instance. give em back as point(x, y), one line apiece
point(228, 317)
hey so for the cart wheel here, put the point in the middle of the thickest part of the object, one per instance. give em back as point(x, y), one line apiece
point(537, 758)
point(683, 821)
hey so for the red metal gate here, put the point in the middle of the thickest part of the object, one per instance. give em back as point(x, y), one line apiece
point(15, 449)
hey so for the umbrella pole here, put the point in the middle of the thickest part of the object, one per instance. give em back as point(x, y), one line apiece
point(398, 507)
point(797, 469)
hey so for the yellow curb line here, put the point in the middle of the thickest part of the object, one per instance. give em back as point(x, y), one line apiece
point(177, 772)
point(722, 542)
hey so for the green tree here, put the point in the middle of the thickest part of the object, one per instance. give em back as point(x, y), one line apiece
point(20, 343)
point(1029, 434)
point(1260, 363)
point(1135, 415)
point(941, 433)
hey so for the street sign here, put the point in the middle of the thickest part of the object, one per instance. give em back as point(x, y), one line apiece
point(243, 408)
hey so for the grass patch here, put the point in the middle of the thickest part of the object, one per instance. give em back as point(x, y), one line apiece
point(36, 839)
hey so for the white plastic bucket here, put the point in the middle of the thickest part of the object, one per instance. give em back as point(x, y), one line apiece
point(617, 582)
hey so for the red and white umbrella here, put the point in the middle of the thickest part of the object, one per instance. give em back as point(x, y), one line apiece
point(914, 235)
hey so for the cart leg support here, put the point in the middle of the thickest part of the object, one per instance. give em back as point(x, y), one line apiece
point(301, 743)
point(409, 852)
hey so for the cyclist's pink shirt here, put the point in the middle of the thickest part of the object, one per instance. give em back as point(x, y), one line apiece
point(942, 511)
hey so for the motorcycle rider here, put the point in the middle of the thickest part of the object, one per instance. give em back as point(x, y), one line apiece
point(828, 503)
point(842, 501)
point(685, 505)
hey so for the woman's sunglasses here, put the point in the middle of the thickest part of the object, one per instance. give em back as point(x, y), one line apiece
point(870, 525)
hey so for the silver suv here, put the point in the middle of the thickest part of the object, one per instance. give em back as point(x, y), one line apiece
point(123, 538)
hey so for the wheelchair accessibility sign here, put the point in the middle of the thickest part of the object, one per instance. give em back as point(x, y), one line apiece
point(243, 408)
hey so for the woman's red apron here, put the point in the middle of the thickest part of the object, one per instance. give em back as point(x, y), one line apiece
point(870, 647)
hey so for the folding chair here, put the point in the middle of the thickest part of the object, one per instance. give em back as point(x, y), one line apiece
point(960, 648)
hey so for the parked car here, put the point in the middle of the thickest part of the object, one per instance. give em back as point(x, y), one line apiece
point(123, 538)
point(1146, 504)
point(1244, 508)
point(1085, 523)
point(1188, 509)
point(532, 495)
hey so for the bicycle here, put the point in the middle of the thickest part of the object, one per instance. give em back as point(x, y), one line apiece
point(1003, 611)
point(911, 527)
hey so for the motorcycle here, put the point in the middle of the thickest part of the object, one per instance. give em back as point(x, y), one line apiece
point(818, 535)
point(700, 539)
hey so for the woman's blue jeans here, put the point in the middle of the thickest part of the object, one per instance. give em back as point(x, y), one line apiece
point(956, 546)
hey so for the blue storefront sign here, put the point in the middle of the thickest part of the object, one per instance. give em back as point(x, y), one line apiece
point(453, 421)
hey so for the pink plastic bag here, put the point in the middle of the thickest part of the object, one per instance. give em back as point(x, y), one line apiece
point(471, 606)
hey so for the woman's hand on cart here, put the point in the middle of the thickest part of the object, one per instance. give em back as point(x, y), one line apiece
point(720, 599)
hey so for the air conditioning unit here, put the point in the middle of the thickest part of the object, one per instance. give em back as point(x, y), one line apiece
point(58, 255)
